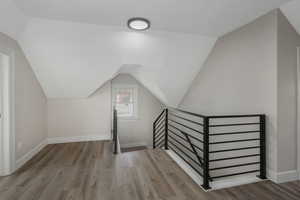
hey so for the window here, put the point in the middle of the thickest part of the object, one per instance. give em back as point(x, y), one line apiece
point(125, 101)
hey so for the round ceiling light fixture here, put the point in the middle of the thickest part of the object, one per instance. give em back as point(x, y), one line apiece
point(138, 24)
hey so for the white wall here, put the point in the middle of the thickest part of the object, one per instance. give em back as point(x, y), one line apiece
point(81, 118)
point(30, 101)
point(288, 40)
point(240, 77)
point(2, 63)
point(138, 131)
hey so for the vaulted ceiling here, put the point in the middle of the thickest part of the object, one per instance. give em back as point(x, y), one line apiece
point(291, 11)
point(75, 46)
point(73, 60)
point(208, 17)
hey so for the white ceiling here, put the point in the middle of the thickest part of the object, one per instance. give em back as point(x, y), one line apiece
point(292, 11)
point(12, 21)
point(207, 17)
point(72, 60)
point(75, 46)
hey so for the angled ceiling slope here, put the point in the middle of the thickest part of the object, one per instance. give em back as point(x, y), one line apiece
point(291, 11)
point(72, 60)
point(75, 46)
point(12, 20)
point(208, 17)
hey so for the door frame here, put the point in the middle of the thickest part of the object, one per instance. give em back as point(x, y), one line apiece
point(298, 111)
point(8, 114)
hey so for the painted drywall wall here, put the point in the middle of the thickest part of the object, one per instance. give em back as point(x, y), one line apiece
point(288, 41)
point(138, 131)
point(30, 101)
point(84, 118)
point(240, 76)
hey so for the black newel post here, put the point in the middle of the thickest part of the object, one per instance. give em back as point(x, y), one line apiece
point(166, 129)
point(206, 153)
point(115, 132)
point(154, 135)
point(262, 121)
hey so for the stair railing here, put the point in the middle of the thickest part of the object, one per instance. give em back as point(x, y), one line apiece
point(215, 147)
point(115, 132)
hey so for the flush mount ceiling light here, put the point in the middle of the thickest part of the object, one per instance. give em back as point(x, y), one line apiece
point(138, 24)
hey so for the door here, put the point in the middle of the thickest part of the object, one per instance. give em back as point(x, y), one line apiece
point(7, 137)
point(1, 117)
point(298, 109)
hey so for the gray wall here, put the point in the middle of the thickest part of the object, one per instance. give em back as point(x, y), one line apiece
point(30, 101)
point(138, 131)
point(240, 77)
point(288, 40)
point(82, 118)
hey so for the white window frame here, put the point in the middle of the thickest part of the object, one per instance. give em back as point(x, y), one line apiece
point(135, 88)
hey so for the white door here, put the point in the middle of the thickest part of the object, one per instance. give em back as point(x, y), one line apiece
point(7, 149)
point(1, 117)
point(298, 109)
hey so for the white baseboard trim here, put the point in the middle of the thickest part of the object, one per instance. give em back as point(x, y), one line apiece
point(59, 140)
point(21, 161)
point(216, 185)
point(198, 179)
point(282, 177)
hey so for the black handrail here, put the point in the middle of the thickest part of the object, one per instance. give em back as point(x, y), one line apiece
point(187, 112)
point(115, 131)
point(193, 138)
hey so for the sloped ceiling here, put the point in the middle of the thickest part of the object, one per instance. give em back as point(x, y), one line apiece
point(292, 11)
point(208, 17)
point(75, 46)
point(12, 20)
point(72, 60)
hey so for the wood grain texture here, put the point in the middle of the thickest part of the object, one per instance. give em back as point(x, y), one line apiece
point(130, 149)
point(89, 171)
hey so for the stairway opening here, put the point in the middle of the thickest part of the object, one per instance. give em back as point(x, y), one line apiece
point(136, 109)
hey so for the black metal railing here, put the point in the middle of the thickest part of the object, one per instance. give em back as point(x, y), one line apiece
point(215, 147)
point(115, 132)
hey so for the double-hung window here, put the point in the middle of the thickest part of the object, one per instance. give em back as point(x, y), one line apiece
point(125, 101)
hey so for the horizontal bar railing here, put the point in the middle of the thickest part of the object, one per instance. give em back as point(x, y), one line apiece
point(158, 121)
point(183, 135)
point(244, 161)
point(236, 157)
point(186, 119)
point(214, 146)
point(185, 126)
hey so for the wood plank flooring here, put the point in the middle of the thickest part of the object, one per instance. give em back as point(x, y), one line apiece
point(89, 171)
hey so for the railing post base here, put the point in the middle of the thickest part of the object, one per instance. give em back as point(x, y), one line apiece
point(206, 187)
point(262, 177)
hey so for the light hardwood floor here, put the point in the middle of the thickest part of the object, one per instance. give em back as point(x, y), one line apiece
point(90, 171)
